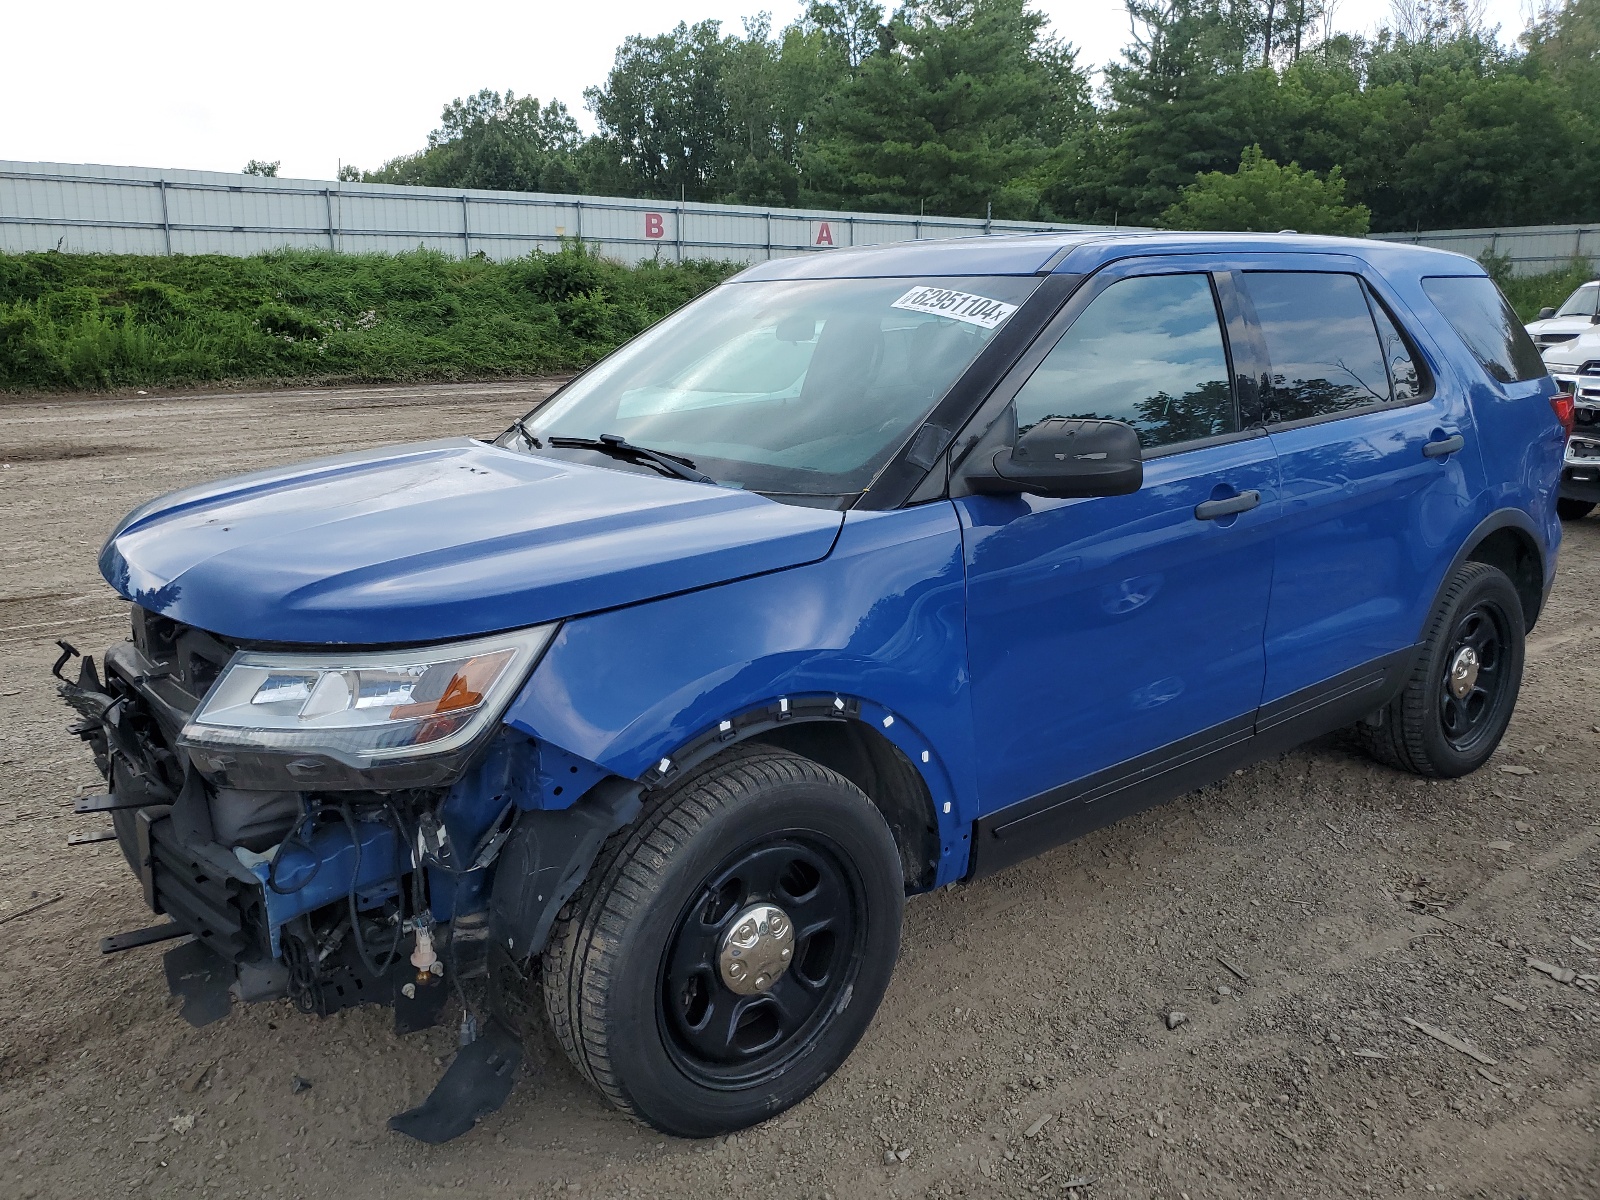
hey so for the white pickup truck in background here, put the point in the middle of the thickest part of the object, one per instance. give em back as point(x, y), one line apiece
point(1574, 362)
point(1575, 317)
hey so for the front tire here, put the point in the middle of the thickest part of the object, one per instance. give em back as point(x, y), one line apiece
point(1573, 510)
point(1454, 709)
point(726, 952)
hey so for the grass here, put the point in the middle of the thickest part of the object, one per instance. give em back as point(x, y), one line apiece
point(98, 321)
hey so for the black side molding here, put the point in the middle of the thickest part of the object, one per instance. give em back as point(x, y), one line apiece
point(1065, 813)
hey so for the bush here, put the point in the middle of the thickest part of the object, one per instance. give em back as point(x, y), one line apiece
point(103, 321)
point(1262, 197)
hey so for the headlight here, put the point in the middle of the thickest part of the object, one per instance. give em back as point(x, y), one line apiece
point(364, 708)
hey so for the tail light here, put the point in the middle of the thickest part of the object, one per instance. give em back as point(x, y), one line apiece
point(1565, 409)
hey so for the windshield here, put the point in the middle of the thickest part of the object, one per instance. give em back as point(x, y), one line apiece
point(1581, 302)
point(802, 387)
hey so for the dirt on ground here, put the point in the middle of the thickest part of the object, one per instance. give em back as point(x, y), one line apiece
point(1349, 948)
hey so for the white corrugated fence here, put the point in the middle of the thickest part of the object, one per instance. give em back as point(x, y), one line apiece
point(1532, 249)
point(135, 210)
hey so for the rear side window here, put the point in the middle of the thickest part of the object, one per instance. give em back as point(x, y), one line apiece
point(1147, 351)
point(1405, 380)
point(1321, 341)
point(1480, 314)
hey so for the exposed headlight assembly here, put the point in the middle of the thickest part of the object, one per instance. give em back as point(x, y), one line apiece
point(365, 708)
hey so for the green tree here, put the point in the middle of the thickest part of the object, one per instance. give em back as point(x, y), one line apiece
point(1263, 197)
point(493, 141)
point(961, 101)
point(663, 113)
point(267, 170)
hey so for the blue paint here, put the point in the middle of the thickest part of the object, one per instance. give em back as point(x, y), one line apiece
point(310, 878)
point(442, 540)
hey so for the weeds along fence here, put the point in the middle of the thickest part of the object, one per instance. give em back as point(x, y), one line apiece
point(133, 210)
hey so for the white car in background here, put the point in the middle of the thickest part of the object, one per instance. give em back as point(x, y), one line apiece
point(1574, 318)
point(1574, 362)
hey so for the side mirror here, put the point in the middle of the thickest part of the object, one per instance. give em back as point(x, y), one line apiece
point(1066, 457)
point(1595, 320)
point(1546, 313)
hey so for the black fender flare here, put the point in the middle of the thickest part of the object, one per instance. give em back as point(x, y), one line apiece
point(1501, 519)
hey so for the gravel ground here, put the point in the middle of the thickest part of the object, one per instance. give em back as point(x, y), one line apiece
point(1300, 914)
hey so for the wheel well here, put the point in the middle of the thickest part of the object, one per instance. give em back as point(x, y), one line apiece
point(1513, 552)
point(875, 765)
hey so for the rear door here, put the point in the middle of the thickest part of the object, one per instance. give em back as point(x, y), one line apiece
point(1379, 467)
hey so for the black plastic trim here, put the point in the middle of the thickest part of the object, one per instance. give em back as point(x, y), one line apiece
point(1332, 704)
point(1503, 518)
point(1062, 814)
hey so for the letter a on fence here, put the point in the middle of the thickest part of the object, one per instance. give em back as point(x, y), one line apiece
point(653, 227)
point(824, 234)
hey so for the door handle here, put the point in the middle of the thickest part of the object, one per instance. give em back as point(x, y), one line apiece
point(1444, 446)
point(1210, 510)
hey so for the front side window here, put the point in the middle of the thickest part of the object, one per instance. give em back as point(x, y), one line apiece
point(1147, 351)
point(1582, 302)
point(1479, 313)
point(801, 387)
point(1321, 343)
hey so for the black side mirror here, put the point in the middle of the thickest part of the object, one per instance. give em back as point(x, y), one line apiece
point(1064, 457)
point(1546, 313)
point(1595, 320)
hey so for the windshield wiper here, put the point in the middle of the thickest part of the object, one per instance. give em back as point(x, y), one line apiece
point(618, 446)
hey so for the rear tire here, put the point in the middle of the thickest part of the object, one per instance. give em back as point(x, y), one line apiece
point(639, 985)
point(1573, 510)
point(1454, 709)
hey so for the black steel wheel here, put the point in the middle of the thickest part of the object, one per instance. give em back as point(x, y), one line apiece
point(727, 1021)
point(1472, 692)
point(1454, 709)
point(726, 953)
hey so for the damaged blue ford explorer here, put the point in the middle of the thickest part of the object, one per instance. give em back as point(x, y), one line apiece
point(866, 573)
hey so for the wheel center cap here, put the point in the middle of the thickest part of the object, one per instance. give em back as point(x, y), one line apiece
point(757, 949)
point(1463, 672)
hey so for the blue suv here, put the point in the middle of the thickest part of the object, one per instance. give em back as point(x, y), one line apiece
point(866, 573)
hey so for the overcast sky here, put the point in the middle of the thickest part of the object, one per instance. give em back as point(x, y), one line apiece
point(209, 85)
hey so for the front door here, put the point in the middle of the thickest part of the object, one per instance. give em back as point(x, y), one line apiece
point(1113, 639)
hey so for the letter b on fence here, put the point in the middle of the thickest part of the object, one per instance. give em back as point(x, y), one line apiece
point(653, 226)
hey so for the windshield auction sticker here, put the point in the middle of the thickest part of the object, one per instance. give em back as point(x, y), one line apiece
point(960, 306)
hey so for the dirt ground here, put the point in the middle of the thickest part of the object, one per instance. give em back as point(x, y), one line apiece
point(1299, 914)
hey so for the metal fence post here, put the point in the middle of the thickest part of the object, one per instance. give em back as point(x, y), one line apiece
point(333, 237)
point(166, 223)
point(466, 232)
point(578, 219)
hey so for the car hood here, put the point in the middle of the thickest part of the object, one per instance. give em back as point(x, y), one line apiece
point(1572, 354)
point(441, 540)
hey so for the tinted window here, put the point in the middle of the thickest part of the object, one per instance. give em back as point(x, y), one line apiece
point(1582, 302)
point(1480, 314)
point(1147, 351)
point(1321, 342)
point(1405, 381)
